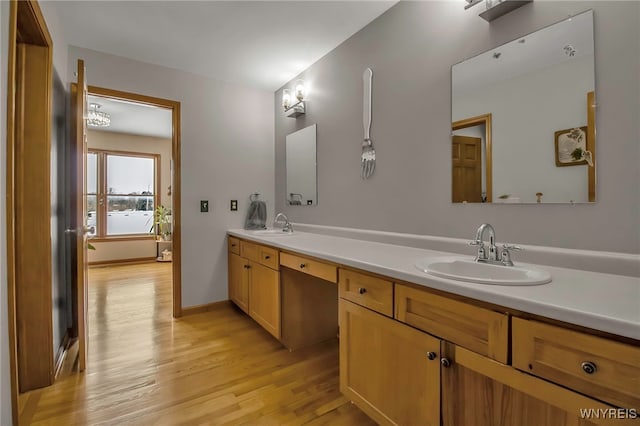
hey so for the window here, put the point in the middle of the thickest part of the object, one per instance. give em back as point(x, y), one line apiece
point(121, 192)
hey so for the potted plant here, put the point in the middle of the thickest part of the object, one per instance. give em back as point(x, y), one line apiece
point(162, 222)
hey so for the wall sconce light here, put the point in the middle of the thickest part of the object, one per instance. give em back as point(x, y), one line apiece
point(297, 109)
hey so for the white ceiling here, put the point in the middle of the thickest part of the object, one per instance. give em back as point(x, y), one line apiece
point(134, 118)
point(261, 44)
point(535, 51)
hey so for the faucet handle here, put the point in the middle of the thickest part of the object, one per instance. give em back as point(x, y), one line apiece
point(505, 256)
point(476, 243)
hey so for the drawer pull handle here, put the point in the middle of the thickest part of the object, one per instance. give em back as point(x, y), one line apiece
point(246, 266)
point(362, 290)
point(303, 265)
point(233, 245)
point(267, 257)
point(445, 362)
point(431, 356)
point(589, 367)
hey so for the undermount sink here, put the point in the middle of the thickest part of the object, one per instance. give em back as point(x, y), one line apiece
point(271, 232)
point(463, 269)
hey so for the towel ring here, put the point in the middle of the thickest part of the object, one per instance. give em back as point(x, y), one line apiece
point(254, 196)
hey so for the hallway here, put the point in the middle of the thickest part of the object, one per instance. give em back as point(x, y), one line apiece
point(217, 367)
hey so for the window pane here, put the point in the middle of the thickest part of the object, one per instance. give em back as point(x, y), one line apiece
point(92, 217)
point(130, 175)
point(92, 173)
point(129, 215)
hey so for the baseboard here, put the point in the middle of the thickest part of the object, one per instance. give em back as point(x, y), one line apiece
point(198, 309)
point(61, 353)
point(115, 262)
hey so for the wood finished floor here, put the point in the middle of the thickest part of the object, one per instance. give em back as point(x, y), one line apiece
point(215, 368)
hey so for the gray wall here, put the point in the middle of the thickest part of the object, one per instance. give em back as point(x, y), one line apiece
point(411, 49)
point(227, 153)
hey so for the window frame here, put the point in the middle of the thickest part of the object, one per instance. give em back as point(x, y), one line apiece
point(102, 193)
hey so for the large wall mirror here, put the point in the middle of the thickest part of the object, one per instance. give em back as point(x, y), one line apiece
point(301, 167)
point(523, 119)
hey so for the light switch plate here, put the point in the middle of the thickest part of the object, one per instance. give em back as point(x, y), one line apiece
point(233, 206)
point(204, 206)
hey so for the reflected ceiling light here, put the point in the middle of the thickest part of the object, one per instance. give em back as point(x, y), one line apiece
point(96, 118)
point(300, 92)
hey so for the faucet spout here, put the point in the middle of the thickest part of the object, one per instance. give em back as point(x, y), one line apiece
point(493, 250)
point(281, 218)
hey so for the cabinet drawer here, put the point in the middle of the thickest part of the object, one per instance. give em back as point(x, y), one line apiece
point(371, 292)
point(264, 255)
point(598, 367)
point(479, 329)
point(234, 245)
point(313, 267)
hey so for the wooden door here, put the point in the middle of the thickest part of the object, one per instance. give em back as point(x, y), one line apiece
point(239, 281)
point(79, 224)
point(264, 297)
point(467, 169)
point(481, 392)
point(390, 370)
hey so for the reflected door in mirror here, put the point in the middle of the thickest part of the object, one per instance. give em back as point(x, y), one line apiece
point(467, 169)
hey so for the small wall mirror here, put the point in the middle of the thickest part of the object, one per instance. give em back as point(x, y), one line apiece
point(523, 119)
point(302, 187)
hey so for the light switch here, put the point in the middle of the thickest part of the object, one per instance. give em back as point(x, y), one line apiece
point(204, 206)
point(234, 205)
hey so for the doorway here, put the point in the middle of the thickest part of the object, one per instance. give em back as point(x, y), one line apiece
point(472, 161)
point(141, 211)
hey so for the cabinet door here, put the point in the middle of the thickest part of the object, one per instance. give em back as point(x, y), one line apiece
point(390, 370)
point(264, 294)
point(481, 392)
point(239, 281)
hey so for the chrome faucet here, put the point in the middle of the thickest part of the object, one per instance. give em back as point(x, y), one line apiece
point(281, 218)
point(493, 255)
point(482, 255)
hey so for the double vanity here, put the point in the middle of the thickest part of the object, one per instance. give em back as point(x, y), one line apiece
point(430, 338)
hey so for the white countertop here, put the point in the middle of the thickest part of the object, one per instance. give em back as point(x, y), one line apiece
point(605, 302)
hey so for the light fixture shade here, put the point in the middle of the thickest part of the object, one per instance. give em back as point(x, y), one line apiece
point(286, 98)
point(97, 118)
point(300, 90)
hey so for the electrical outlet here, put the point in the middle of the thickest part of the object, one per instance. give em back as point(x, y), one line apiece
point(204, 206)
point(234, 205)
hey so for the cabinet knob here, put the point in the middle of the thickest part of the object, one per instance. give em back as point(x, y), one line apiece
point(303, 265)
point(431, 355)
point(589, 367)
point(362, 290)
point(445, 362)
point(246, 266)
point(233, 245)
point(267, 257)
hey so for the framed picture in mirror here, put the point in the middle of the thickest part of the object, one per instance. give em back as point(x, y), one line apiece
point(571, 146)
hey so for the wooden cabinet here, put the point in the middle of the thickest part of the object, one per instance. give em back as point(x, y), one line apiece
point(239, 281)
point(254, 282)
point(366, 290)
point(310, 266)
point(410, 355)
point(481, 330)
point(598, 367)
point(264, 297)
point(391, 371)
point(481, 392)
